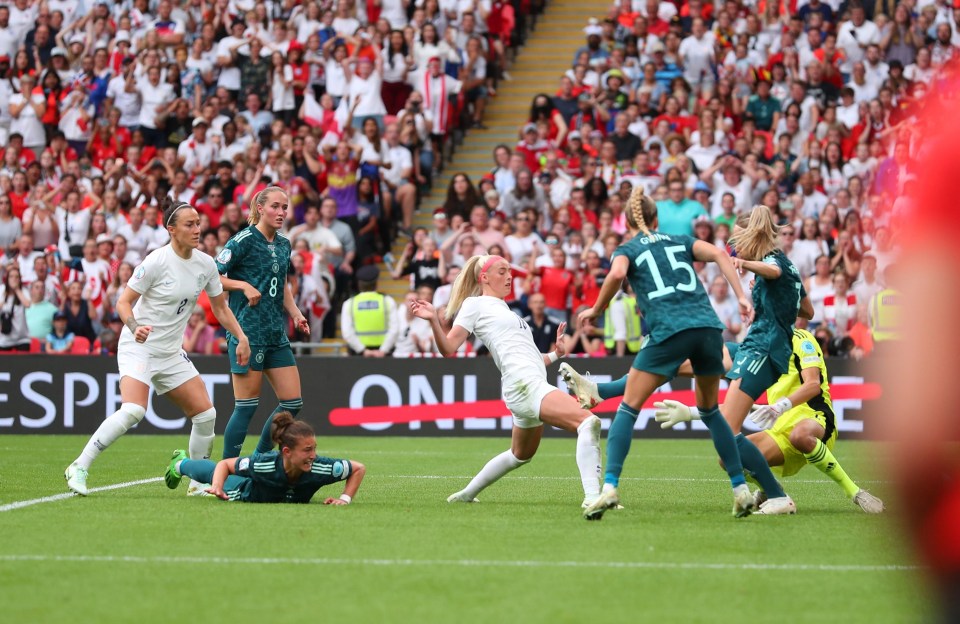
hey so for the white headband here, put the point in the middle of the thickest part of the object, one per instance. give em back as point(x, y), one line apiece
point(170, 218)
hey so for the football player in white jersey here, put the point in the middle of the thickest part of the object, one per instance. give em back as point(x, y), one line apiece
point(155, 308)
point(477, 306)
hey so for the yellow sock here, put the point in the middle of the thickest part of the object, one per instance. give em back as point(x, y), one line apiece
point(824, 461)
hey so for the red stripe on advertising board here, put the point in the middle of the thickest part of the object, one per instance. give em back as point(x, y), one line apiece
point(349, 417)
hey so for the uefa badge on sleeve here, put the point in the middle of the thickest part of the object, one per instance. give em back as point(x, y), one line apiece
point(224, 256)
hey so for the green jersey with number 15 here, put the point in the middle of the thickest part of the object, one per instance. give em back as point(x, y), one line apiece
point(669, 293)
point(251, 258)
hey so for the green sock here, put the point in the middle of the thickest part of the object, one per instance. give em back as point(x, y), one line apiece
point(236, 431)
point(824, 461)
point(612, 389)
point(754, 461)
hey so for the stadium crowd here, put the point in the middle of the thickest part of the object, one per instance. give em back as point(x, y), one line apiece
point(811, 108)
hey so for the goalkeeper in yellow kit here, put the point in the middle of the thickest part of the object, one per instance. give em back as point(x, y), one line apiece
point(803, 427)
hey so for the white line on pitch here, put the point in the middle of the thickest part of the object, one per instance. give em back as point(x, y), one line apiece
point(57, 497)
point(548, 478)
point(325, 561)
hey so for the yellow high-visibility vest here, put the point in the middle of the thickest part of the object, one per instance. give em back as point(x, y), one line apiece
point(370, 318)
point(885, 315)
point(634, 335)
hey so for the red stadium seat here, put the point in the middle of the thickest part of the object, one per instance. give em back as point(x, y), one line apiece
point(36, 346)
point(81, 346)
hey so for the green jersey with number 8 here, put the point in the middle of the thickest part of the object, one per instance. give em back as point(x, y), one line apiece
point(776, 302)
point(669, 293)
point(251, 258)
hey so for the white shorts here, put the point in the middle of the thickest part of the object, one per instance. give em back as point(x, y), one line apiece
point(165, 373)
point(523, 399)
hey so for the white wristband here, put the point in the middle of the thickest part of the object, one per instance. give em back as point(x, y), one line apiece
point(553, 357)
point(346, 498)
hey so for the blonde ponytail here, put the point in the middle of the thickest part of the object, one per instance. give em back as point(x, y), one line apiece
point(758, 234)
point(259, 201)
point(641, 210)
point(466, 285)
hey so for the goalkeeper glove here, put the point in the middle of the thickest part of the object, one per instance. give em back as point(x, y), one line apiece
point(766, 415)
point(669, 413)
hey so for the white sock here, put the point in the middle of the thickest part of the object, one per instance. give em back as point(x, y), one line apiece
point(493, 470)
point(201, 434)
point(109, 430)
point(201, 437)
point(588, 456)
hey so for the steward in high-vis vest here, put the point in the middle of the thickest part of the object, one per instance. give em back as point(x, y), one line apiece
point(368, 321)
point(885, 315)
point(621, 325)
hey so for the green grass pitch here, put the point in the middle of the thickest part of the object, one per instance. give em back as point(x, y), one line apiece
point(400, 553)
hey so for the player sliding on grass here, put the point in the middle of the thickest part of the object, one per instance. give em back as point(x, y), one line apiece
point(254, 265)
point(292, 474)
point(683, 326)
point(155, 308)
point(477, 302)
point(801, 434)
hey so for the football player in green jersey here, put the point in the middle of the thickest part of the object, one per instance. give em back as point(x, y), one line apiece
point(764, 355)
point(253, 267)
point(682, 326)
point(292, 474)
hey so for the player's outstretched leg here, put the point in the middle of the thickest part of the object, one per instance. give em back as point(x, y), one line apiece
point(583, 389)
point(200, 470)
point(821, 458)
point(236, 431)
point(492, 471)
point(107, 433)
point(777, 502)
point(619, 439)
point(726, 446)
point(172, 476)
point(201, 445)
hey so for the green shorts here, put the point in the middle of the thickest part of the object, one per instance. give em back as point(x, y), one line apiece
point(703, 346)
point(755, 372)
point(261, 358)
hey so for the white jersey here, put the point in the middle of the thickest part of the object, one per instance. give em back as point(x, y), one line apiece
point(507, 337)
point(169, 287)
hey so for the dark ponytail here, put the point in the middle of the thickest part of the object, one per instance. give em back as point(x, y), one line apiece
point(286, 431)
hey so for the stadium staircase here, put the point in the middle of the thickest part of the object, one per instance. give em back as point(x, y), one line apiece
point(537, 68)
point(546, 55)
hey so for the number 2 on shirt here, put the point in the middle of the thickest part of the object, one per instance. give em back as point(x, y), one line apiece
point(675, 263)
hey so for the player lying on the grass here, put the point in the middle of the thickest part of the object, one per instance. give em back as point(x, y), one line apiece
point(155, 307)
point(683, 326)
point(291, 474)
point(803, 432)
point(477, 306)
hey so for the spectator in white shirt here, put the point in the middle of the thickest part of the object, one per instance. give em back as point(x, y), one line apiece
point(855, 36)
point(698, 56)
point(156, 100)
point(197, 153)
point(726, 308)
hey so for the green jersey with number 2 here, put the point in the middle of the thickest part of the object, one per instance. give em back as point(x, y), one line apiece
point(669, 293)
point(776, 302)
point(251, 258)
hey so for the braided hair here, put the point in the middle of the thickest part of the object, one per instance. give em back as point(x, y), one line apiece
point(641, 210)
